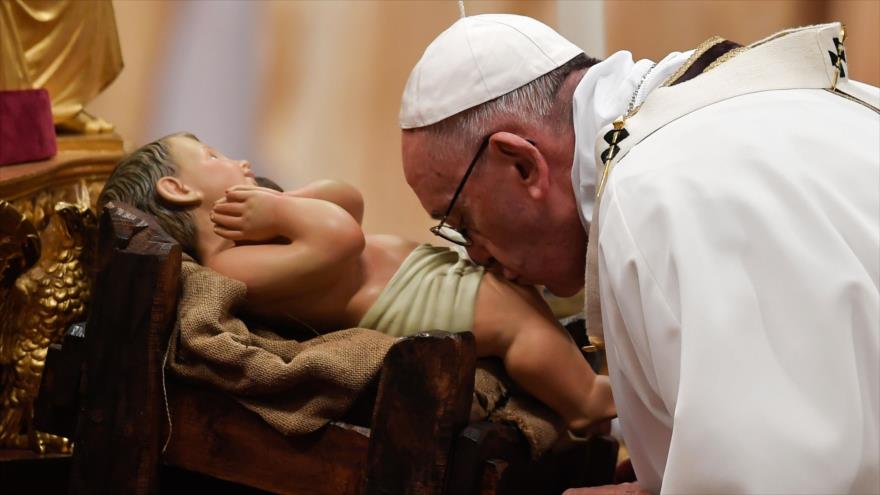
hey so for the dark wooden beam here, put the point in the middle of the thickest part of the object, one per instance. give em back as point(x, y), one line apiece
point(214, 435)
point(135, 296)
point(425, 394)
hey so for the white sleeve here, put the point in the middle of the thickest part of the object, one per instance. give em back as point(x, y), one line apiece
point(633, 308)
point(741, 361)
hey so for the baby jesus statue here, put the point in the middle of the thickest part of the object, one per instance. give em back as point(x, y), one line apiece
point(305, 259)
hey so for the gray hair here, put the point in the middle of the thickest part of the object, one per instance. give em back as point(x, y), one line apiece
point(536, 101)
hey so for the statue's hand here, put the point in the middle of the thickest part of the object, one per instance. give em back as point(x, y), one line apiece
point(247, 213)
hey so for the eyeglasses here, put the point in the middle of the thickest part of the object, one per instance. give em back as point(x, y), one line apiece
point(442, 229)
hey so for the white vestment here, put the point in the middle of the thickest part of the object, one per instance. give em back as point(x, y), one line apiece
point(739, 265)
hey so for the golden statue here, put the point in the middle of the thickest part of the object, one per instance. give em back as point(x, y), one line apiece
point(68, 47)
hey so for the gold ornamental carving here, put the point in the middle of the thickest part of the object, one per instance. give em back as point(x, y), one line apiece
point(46, 243)
point(44, 280)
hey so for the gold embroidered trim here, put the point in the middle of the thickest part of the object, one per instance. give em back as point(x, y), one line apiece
point(724, 58)
point(785, 32)
point(698, 52)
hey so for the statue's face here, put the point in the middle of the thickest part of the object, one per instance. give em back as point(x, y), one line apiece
point(207, 170)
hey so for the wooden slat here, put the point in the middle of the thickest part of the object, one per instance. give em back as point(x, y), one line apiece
point(117, 440)
point(212, 434)
point(424, 399)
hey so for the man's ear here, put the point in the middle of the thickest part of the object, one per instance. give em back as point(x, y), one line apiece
point(524, 159)
point(174, 191)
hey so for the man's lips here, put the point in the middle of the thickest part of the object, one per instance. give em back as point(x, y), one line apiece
point(500, 271)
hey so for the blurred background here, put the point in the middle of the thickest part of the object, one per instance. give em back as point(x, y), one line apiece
point(311, 89)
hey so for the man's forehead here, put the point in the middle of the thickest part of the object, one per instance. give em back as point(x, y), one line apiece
point(424, 170)
point(431, 171)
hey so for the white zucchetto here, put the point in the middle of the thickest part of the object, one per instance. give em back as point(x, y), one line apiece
point(478, 59)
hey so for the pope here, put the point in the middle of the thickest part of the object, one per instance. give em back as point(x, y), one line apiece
point(723, 203)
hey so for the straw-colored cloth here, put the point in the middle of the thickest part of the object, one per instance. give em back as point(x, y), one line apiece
point(497, 399)
point(435, 287)
point(299, 386)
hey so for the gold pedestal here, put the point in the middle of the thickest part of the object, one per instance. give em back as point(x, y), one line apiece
point(81, 160)
point(47, 234)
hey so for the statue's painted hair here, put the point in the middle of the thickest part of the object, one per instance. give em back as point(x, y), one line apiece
point(134, 182)
point(268, 183)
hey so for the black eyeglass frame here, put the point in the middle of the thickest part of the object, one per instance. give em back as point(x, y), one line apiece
point(438, 229)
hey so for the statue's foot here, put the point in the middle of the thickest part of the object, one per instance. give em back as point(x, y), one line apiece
point(36, 441)
point(84, 123)
point(40, 443)
point(47, 443)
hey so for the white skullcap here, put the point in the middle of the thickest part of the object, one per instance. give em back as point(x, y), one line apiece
point(478, 59)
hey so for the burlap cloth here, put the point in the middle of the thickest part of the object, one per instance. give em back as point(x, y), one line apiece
point(299, 386)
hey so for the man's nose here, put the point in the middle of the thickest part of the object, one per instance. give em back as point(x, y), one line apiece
point(245, 165)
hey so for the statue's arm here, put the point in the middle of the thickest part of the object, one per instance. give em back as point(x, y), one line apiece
point(321, 234)
point(340, 193)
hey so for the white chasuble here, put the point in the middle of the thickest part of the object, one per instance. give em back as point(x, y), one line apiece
point(739, 265)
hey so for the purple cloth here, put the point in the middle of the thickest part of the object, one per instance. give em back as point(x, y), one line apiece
point(27, 133)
